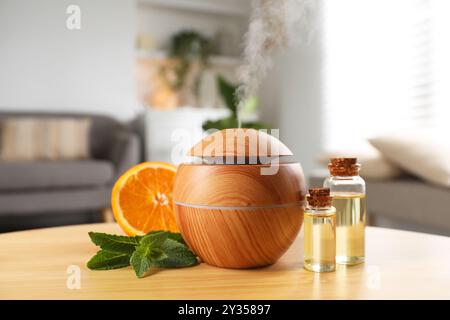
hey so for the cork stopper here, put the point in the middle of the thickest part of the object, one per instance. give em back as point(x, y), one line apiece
point(319, 197)
point(344, 167)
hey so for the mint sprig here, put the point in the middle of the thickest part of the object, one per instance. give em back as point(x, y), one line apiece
point(177, 256)
point(114, 243)
point(107, 260)
point(158, 249)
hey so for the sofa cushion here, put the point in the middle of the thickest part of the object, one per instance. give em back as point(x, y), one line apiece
point(54, 174)
point(39, 138)
point(60, 201)
point(424, 153)
point(410, 199)
point(373, 164)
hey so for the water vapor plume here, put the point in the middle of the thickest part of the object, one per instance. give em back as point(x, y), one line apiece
point(274, 24)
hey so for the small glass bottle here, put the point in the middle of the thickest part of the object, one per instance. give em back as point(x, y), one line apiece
point(319, 232)
point(349, 198)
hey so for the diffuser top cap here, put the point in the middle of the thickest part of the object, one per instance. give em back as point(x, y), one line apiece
point(240, 143)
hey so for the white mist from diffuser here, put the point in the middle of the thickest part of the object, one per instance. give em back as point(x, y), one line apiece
point(274, 24)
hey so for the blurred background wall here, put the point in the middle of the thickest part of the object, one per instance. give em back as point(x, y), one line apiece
point(45, 66)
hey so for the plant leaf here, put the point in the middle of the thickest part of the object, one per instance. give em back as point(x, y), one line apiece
point(106, 260)
point(115, 243)
point(171, 235)
point(178, 255)
point(162, 249)
point(255, 125)
point(158, 255)
point(228, 93)
point(141, 261)
point(226, 123)
point(154, 240)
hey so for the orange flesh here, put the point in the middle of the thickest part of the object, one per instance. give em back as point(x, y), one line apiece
point(142, 199)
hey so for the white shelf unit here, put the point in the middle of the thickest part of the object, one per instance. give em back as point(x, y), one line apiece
point(217, 60)
point(170, 133)
point(236, 8)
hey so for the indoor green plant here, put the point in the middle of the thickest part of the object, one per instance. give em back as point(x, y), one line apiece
point(228, 92)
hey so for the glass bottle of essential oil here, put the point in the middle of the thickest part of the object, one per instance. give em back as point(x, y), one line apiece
point(319, 232)
point(349, 198)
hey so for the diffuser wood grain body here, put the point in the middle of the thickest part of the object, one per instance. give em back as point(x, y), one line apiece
point(233, 216)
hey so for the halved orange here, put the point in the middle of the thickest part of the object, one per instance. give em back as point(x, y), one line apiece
point(142, 199)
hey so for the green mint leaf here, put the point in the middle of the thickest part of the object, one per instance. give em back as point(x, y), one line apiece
point(154, 240)
point(148, 252)
point(161, 249)
point(114, 243)
point(141, 260)
point(171, 235)
point(158, 255)
point(176, 237)
point(178, 255)
point(106, 260)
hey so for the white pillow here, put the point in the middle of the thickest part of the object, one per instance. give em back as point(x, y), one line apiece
point(422, 152)
point(373, 164)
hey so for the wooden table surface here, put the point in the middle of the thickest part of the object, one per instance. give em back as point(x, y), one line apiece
point(399, 265)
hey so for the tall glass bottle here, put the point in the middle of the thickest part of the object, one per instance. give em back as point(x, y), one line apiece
point(319, 232)
point(349, 198)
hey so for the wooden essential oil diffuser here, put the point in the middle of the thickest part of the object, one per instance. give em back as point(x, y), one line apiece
point(233, 215)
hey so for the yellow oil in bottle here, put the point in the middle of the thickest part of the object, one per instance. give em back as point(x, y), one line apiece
point(350, 227)
point(320, 240)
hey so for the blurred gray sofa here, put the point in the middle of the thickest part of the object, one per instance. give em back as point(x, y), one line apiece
point(28, 188)
point(403, 203)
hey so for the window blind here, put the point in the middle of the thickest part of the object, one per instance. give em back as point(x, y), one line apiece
point(386, 68)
